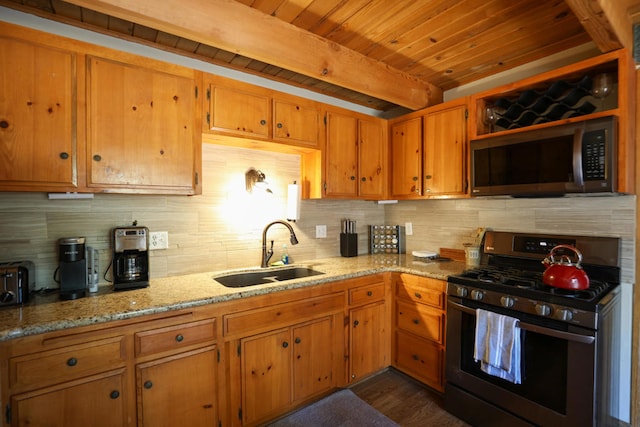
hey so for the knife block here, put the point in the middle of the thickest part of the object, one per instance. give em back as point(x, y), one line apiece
point(348, 244)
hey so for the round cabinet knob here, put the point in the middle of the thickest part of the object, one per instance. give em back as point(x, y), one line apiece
point(285, 344)
point(114, 394)
point(179, 337)
point(416, 321)
point(369, 293)
point(4, 124)
point(507, 302)
point(263, 122)
point(148, 385)
point(279, 125)
point(97, 157)
point(462, 292)
point(543, 309)
point(565, 315)
point(477, 295)
point(64, 156)
point(418, 295)
point(353, 178)
point(415, 178)
point(363, 179)
point(298, 340)
point(72, 361)
point(428, 177)
point(415, 357)
point(355, 323)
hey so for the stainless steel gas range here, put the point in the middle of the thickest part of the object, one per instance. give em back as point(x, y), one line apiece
point(569, 338)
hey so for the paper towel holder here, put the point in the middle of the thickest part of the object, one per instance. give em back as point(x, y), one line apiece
point(293, 202)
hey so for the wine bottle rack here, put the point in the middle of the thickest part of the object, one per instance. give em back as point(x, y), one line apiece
point(562, 99)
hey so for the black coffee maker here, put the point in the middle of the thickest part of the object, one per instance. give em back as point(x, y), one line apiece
point(130, 258)
point(72, 267)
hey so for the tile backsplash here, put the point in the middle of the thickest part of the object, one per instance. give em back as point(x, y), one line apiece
point(222, 228)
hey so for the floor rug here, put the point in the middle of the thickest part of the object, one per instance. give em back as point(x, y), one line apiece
point(342, 408)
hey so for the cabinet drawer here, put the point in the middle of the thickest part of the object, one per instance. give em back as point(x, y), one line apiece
point(366, 294)
point(66, 363)
point(174, 337)
point(423, 321)
point(422, 359)
point(269, 318)
point(422, 290)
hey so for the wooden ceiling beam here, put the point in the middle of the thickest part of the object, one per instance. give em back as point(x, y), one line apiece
point(606, 21)
point(232, 26)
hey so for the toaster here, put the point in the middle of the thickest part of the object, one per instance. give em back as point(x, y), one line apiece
point(18, 279)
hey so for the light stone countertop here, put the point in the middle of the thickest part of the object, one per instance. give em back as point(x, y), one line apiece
point(48, 313)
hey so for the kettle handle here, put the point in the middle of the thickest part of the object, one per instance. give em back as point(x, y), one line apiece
point(551, 259)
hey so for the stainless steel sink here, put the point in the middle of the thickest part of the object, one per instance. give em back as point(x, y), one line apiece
point(261, 277)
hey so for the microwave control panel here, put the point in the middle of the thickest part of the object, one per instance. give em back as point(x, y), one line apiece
point(594, 155)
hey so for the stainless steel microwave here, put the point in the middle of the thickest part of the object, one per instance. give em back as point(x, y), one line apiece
point(574, 158)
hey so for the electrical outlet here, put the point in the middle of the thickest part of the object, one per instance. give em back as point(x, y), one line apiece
point(408, 229)
point(321, 231)
point(158, 240)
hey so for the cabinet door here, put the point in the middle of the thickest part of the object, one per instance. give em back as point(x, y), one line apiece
point(97, 401)
point(371, 159)
point(178, 390)
point(422, 359)
point(141, 128)
point(406, 158)
point(37, 117)
point(312, 358)
point(266, 374)
point(341, 156)
point(295, 122)
point(368, 335)
point(239, 111)
point(445, 151)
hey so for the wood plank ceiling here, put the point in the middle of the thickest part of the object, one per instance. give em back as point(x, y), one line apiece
point(443, 43)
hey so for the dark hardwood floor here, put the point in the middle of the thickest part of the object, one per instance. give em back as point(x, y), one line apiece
point(405, 401)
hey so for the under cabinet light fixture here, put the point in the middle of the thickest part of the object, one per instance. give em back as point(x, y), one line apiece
point(256, 179)
point(70, 196)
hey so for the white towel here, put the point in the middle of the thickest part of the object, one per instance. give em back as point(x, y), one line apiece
point(498, 346)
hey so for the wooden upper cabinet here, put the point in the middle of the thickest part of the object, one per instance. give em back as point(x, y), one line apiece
point(355, 156)
point(406, 158)
point(445, 150)
point(142, 135)
point(239, 111)
point(372, 158)
point(38, 107)
point(341, 155)
point(296, 121)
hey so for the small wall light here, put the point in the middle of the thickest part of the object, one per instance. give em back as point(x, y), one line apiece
point(256, 179)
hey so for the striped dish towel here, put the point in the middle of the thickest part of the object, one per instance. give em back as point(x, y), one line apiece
point(498, 346)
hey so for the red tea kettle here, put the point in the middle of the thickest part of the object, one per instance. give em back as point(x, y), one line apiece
point(563, 273)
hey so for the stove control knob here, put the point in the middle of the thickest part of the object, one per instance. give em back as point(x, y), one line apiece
point(565, 315)
point(543, 309)
point(462, 292)
point(477, 295)
point(507, 302)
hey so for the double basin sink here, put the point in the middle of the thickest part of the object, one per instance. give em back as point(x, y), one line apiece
point(264, 276)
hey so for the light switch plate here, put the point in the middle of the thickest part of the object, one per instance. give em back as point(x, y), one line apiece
point(408, 229)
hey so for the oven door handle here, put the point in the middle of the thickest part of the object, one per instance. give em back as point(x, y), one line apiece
point(585, 339)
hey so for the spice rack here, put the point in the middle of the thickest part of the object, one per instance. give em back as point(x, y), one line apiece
point(387, 239)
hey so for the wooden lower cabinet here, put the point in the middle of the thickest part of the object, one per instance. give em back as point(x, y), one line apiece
point(178, 390)
point(285, 366)
point(368, 326)
point(419, 328)
point(95, 401)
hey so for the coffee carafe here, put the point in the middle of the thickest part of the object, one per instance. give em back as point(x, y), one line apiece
point(130, 258)
point(72, 267)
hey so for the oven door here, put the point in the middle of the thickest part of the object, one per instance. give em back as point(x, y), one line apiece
point(558, 373)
